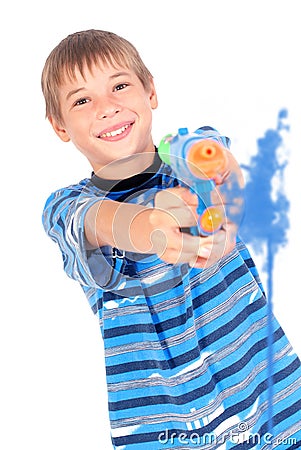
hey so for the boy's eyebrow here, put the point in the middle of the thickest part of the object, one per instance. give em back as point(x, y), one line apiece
point(74, 91)
point(119, 74)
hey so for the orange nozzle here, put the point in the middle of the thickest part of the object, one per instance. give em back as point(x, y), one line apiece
point(206, 158)
point(212, 219)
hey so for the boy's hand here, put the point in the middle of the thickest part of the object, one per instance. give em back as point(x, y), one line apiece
point(139, 229)
point(175, 208)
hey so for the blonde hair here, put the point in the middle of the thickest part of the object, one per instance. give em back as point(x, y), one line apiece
point(84, 49)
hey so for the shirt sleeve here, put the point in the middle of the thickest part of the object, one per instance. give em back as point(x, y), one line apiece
point(63, 220)
point(245, 254)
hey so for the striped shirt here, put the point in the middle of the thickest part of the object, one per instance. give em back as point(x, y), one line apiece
point(186, 350)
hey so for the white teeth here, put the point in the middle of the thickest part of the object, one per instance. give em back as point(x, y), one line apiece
point(115, 132)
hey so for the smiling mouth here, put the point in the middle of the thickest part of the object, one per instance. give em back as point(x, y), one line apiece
point(120, 132)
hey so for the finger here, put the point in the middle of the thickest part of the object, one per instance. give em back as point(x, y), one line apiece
point(220, 178)
point(172, 256)
point(174, 217)
point(185, 217)
point(175, 247)
point(187, 252)
point(188, 197)
point(223, 243)
point(175, 197)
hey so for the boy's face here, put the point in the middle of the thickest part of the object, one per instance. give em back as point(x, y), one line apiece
point(107, 114)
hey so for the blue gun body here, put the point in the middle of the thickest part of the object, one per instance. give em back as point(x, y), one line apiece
point(176, 150)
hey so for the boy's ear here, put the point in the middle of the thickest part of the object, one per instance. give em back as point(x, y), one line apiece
point(153, 95)
point(59, 129)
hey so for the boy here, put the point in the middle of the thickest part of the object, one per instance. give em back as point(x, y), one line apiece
point(183, 318)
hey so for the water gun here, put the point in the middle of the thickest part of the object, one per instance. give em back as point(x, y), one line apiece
point(196, 159)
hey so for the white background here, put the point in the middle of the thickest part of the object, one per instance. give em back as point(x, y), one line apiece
point(231, 64)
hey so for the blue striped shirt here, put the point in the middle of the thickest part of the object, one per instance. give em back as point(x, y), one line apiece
point(186, 350)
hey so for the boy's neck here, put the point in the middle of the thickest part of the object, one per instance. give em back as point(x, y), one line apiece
point(128, 182)
point(127, 167)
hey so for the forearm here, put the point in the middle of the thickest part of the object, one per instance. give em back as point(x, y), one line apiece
point(122, 225)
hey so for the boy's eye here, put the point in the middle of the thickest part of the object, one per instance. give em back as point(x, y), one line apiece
point(81, 101)
point(121, 86)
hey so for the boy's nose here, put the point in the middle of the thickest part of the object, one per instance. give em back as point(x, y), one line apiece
point(107, 111)
point(107, 114)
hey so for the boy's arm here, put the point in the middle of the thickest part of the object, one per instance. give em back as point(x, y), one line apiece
point(140, 229)
point(119, 225)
